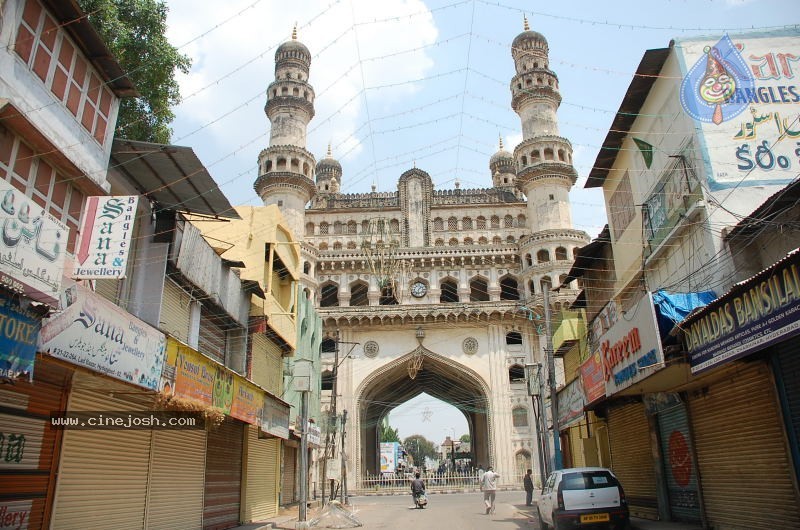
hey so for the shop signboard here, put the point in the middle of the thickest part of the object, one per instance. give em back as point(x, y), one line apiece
point(741, 90)
point(98, 335)
point(248, 401)
point(630, 350)
point(389, 457)
point(19, 333)
point(275, 418)
point(571, 401)
point(33, 247)
point(592, 378)
point(755, 314)
point(188, 374)
point(105, 237)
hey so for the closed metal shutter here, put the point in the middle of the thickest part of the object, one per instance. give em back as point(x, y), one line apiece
point(739, 442)
point(27, 466)
point(787, 375)
point(289, 479)
point(263, 484)
point(108, 289)
point(267, 364)
point(175, 311)
point(102, 481)
point(680, 470)
point(212, 335)
point(632, 458)
point(223, 483)
point(576, 445)
point(177, 472)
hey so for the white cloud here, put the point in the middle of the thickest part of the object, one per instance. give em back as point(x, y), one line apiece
point(234, 63)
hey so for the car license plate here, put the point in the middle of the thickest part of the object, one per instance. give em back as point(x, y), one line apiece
point(595, 518)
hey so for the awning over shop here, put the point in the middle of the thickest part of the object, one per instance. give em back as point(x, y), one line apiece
point(672, 308)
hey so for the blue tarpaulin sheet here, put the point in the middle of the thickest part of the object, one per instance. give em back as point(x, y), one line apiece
point(672, 308)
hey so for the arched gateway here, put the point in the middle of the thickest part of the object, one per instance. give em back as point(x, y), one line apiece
point(435, 375)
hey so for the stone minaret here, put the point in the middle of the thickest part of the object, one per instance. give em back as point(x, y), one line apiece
point(543, 158)
point(286, 168)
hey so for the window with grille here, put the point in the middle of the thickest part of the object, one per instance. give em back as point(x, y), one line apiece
point(466, 223)
point(55, 60)
point(34, 176)
point(508, 221)
point(519, 417)
point(621, 208)
point(452, 223)
point(481, 223)
point(438, 224)
point(323, 228)
point(495, 222)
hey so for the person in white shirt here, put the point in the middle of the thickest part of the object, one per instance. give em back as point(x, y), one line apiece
point(489, 488)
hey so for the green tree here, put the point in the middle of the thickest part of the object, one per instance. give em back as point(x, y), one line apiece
point(387, 434)
point(464, 438)
point(135, 32)
point(419, 447)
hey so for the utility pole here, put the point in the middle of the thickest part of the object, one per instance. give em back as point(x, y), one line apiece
point(551, 378)
point(535, 391)
point(344, 461)
point(330, 430)
point(303, 458)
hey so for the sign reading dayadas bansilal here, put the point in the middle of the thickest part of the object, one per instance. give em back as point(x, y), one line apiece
point(755, 314)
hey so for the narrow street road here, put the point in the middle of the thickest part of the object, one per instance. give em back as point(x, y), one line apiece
point(464, 511)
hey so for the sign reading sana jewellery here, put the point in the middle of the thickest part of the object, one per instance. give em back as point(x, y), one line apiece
point(96, 334)
point(754, 314)
point(105, 237)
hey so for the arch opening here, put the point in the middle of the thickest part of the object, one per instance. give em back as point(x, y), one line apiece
point(439, 378)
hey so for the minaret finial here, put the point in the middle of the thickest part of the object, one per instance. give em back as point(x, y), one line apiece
point(525, 25)
point(329, 149)
point(501, 141)
point(294, 31)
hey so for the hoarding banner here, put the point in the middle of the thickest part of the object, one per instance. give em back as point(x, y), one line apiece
point(191, 375)
point(743, 93)
point(275, 419)
point(631, 349)
point(388, 457)
point(594, 382)
point(96, 334)
point(105, 237)
point(762, 311)
point(33, 246)
point(19, 334)
point(188, 374)
point(571, 401)
point(248, 402)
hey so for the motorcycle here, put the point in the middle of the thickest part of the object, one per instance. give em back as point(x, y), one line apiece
point(420, 500)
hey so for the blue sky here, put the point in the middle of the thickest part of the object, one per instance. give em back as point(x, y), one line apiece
point(410, 82)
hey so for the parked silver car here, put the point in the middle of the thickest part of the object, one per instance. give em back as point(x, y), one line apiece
point(583, 497)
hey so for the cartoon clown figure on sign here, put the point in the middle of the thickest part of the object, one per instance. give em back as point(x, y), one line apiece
point(712, 91)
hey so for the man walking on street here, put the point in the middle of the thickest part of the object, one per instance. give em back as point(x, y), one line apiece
point(528, 482)
point(489, 488)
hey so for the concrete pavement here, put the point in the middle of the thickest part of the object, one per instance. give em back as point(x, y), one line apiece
point(460, 511)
